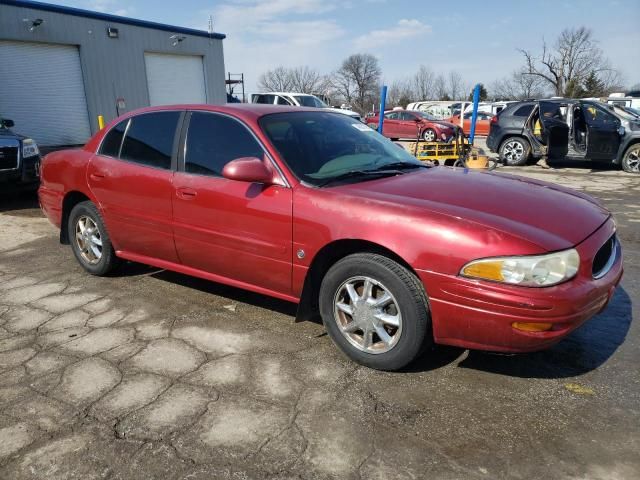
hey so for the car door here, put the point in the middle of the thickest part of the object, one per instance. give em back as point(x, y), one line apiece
point(409, 125)
point(131, 178)
point(390, 126)
point(555, 131)
point(234, 229)
point(603, 137)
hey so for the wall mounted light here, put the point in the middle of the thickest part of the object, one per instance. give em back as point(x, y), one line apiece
point(112, 32)
point(176, 39)
point(33, 24)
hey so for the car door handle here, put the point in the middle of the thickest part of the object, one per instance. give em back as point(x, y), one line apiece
point(186, 193)
point(97, 176)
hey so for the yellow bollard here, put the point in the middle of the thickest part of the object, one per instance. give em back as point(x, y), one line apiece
point(100, 122)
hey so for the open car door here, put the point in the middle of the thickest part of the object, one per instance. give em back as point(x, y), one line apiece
point(555, 131)
point(603, 137)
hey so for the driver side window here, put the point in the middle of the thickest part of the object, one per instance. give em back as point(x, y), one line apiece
point(214, 140)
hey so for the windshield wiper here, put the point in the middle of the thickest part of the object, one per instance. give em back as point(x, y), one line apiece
point(359, 173)
point(401, 166)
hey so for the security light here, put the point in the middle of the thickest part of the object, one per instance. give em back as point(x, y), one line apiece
point(33, 24)
point(177, 39)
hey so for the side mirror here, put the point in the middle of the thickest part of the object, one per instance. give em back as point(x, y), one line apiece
point(7, 123)
point(248, 169)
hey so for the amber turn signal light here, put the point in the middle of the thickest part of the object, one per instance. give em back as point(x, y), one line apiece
point(532, 326)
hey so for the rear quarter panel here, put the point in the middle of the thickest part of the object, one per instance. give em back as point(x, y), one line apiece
point(62, 172)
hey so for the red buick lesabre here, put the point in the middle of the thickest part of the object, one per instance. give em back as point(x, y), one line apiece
point(316, 208)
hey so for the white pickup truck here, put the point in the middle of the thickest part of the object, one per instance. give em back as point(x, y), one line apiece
point(298, 100)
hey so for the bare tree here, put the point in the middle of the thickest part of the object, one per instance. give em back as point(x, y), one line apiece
point(440, 88)
point(276, 80)
point(574, 55)
point(423, 84)
point(456, 87)
point(357, 81)
point(518, 86)
point(400, 93)
point(308, 80)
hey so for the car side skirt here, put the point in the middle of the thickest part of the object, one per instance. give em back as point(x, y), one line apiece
point(175, 267)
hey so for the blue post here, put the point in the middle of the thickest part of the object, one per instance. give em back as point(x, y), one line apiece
point(474, 115)
point(383, 101)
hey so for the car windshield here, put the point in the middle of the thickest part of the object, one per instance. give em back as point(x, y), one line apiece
point(320, 146)
point(310, 101)
point(426, 115)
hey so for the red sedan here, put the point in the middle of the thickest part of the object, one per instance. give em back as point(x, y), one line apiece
point(316, 208)
point(483, 122)
point(412, 124)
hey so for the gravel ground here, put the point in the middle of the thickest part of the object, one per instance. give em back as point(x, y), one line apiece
point(154, 375)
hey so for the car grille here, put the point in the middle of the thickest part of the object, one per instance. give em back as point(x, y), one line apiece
point(8, 157)
point(605, 257)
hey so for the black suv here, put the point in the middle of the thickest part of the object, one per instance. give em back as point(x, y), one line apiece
point(559, 128)
point(19, 157)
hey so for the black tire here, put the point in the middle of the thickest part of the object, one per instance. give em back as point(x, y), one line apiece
point(411, 299)
point(108, 260)
point(429, 135)
point(630, 159)
point(507, 152)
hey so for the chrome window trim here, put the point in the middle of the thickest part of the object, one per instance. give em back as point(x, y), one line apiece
point(273, 163)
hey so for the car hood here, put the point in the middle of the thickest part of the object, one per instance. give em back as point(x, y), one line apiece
point(548, 215)
point(6, 133)
point(443, 124)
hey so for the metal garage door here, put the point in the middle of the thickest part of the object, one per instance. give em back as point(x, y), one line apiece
point(42, 91)
point(175, 79)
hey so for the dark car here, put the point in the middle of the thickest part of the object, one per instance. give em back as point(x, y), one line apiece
point(313, 207)
point(413, 124)
point(19, 157)
point(576, 129)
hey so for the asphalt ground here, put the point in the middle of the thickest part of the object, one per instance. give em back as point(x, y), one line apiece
point(149, 374)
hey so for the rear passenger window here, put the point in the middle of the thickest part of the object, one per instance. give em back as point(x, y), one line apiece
point(112, 140)
point(149, 139)
point(523, 111)
point(214, 140)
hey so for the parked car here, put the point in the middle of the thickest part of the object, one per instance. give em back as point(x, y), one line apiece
point(316, 208)
point(439, 110)
point(299, 100)
point(412, 123)
point(575, 129)
point(482, 122)
point(19, 157)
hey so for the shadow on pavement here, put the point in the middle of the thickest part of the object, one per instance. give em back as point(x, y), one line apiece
point(584, 350)
point(16, 201)
point(232, 293)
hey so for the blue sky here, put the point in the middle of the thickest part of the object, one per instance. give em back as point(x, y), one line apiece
point(477, 38)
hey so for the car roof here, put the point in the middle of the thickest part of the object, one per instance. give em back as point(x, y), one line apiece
point(245, 111)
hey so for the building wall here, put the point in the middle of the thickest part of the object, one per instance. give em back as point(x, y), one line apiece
point(114, 68)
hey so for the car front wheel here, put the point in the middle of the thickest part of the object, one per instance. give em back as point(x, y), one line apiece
point(89, 239)
point(429, 135)
point(375, 311)
point(631, 159)
point(514, 151)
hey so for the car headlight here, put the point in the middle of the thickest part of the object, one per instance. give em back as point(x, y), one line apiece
point(526, 271)
point(29, 148)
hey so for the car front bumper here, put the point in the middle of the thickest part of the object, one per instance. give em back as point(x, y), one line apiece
point(28, 172)
point(479, 315)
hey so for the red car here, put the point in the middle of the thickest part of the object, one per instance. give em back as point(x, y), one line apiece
point(316, 208)
point(410, 124)
point(483, 122)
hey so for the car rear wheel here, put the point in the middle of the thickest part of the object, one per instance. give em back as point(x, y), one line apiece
point(89, 239)
point(631, 159)
point(514, 151)
point(429, 135)
point(375, 311)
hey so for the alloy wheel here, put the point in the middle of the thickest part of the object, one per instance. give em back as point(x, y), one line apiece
point(368, 315)
point(513, 151)
point(632, 159)
point(88, 240)
point(429, 135)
